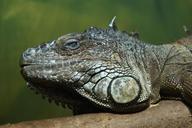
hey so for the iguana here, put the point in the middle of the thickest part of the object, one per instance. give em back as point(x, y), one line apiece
point(109, 70)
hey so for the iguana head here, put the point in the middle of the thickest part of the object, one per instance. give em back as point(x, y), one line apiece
point(84, 67)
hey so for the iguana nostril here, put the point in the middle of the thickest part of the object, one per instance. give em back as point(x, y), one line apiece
point(28, 54)
point(25, 58)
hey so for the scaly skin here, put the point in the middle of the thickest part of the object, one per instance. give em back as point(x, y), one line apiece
point(108, 70)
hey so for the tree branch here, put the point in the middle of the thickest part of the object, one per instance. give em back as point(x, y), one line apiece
point(167, 114)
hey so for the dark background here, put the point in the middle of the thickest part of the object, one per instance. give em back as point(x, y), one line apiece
point(25, 23)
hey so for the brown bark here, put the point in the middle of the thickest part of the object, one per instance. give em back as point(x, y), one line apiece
point(167, 114)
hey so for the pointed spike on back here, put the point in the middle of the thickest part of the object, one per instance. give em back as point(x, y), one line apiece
point(112, 24)
point(134, 34)
point(186, 30)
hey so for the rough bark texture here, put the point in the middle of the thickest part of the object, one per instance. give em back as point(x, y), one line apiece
point(167, 114)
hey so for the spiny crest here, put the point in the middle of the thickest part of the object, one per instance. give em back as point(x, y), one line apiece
point(112, 24)
point(187, 30)
point(110, 33)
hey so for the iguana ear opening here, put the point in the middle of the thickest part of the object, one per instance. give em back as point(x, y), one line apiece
point(112, 24)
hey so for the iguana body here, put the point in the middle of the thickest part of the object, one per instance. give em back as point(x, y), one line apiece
point(108, 70)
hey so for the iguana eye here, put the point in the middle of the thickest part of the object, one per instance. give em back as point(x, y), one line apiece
point(71, 44)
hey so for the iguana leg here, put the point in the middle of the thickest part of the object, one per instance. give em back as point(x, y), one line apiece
point(186, 84)
point(178, 85)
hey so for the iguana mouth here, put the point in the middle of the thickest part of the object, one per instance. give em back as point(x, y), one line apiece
point(23, 65)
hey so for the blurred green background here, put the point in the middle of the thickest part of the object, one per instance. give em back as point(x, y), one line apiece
point(25, 23)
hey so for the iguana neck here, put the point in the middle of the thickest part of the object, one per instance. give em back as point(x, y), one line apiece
point(157, 62)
